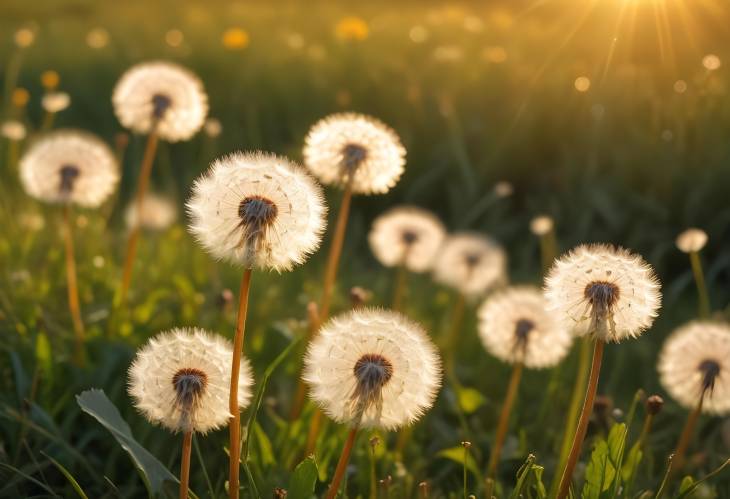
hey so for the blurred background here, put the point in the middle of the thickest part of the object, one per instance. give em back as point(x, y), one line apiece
point(611, 116)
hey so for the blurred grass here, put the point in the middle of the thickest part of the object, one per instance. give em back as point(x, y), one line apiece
point(631, 161)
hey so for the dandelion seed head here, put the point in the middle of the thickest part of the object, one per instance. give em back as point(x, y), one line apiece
point(541, 225)
point(97, 38)
point(54, 102)
point(407, 235)
point(471, 263)
point(181, 380)
point(258, 210)
point(515, 326)
point(604, 291)
point(695, 360)
point(503, 189)
point(69, 166)
point(24, 37)
point(372, 368)
point(355, 148)
point(163, 93)
point(691, 240)
point(13, 130)
point(158, 213)
point(213, 127)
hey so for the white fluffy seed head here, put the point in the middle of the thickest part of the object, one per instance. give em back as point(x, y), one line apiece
point(258, 210)
point(158, 374)
point(694, 360)
point(161, 92)
point(691, 240)
point(471, 263)
point(515, 326)
point(355, 148)
point(69, 166)
point(54, 102)
point(603, 291)
point(13, 130)
point(541, 225)
point(372, 368)
point(158, 213)
point(408, 236)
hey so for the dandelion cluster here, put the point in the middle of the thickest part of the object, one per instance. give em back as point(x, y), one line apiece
point(257, 210)
point(515, 326)
point(69, 166)
point(407, 236)
point(162, 96)
point(694, 364)
point(181, 378)
point(471, 263)
point(604, 291)
point(357, 149)
point(372, 368)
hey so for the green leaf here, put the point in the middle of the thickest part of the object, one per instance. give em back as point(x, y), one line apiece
point(686, 484)
point(605, 461)
point(69, 477)
point(266, 452)
point(469, 399)
point(303, 480)
point(457, 454)
point(153, 472)
point(628, 470)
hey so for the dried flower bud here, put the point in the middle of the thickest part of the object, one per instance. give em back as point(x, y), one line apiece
point(654, 405)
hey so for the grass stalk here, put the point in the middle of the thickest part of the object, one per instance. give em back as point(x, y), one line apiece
point(234, 424)
point(185, 464)
point(582, 426)
point(401, 283)
point(451, 340)
point(504, 416)
point(72, 285)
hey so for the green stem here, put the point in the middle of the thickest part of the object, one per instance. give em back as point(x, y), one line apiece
point(699, 275)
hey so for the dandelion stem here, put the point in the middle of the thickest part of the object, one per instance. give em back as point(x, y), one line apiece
point(579, 388)
point(548, 250)
point(314, 424)
point(457, 318)
point(333, 258)
point(48, 119)
point(699, 275)
point(645, 430)
point(582, 426)
point(401, 281)
point(234, 424)
point(185, 464)
point(342, 464)
point(503, 425)
point(73, 290)
point(685, 439)
point(142, 184)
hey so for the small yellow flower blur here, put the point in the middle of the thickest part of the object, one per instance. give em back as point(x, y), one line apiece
point(20, 97)
point(352, 28)
point(235, 39)
point(50, 79)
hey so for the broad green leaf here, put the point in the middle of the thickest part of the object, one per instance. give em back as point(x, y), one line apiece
point(605, 460)
point(631, 465)
point(469, 399)
point(266, 452)
point(303, 480)
point(457, 454)
point(153, 472)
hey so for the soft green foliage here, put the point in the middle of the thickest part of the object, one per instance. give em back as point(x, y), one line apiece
point(631, 161)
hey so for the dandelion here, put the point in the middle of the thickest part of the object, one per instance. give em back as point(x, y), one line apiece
point(213, 127)
point(50, 79)
point(371, 369)
point(13, 130)
point(543, 226)
point(66, 167)
point(53, 103)
point(165, 101)
point(503, 189)
point(259, 211)
point(693, 367)
point(691, 241)
point(607, 294)
point(470, 263)
point(179, 380)
point(235, 39)
point(20, 98)
point(97, 38)
point(409, 238)
point(158, 213)
point(24, 37)
point(515, 327)
point(360, 154)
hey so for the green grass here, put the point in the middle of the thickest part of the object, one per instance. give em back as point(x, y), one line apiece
point(598, 162)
